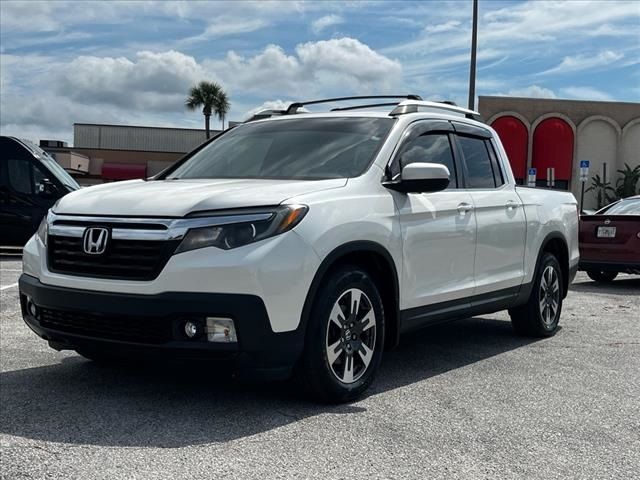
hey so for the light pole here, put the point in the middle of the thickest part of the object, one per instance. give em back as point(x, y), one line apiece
point(474, 46)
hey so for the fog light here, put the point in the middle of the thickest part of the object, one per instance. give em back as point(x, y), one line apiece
point(190, 329)
point(221, 330)
point(32, 308)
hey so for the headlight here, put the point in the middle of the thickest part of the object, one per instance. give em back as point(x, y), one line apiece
point(238, 234)
point(42, 230)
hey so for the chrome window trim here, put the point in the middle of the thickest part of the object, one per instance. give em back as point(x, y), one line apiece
point(176, 228)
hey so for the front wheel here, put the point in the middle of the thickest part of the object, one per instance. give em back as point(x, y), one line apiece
point(345, 337)
point(539, 317)
point(601, 277)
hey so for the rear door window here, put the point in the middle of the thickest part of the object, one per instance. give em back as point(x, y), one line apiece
point(495, 164)
point(479, 168)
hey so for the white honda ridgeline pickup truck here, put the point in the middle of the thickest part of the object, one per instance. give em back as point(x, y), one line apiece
point(304, 244)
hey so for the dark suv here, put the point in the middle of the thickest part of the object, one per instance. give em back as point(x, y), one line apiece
point(30, 183)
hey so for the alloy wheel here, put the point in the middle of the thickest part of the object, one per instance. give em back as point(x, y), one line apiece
point(549, 295)
point(351, 336)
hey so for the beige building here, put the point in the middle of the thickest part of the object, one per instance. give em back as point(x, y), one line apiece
point(119, 152)
point(558, 134)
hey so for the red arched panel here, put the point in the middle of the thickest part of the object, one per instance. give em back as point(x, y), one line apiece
point(514, 137)
point(553, 147)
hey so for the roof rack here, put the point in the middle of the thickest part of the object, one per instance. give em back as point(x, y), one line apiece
point(412, 106)
point(293, 108)
point(267, 113)
point(370, 105)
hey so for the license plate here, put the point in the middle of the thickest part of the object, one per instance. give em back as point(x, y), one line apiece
point(606, 232)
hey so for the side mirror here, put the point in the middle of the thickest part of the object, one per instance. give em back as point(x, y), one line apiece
point(421, 178)
point(47, 188)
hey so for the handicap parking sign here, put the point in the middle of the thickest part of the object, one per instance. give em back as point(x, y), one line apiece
point(584, 170)
point(531, 181)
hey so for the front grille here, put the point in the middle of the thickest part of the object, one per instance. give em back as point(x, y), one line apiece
point(123, 260)
point(126, 329)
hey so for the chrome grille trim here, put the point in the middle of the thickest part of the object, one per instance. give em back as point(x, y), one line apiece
point(174, 228)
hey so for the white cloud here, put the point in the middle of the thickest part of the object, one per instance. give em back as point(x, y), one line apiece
point(443, 27)
point(585, 93)
point(150, 87)
point(224, 25)
point(317, 26)
point(142, 76)
point(529, 26)
point(343, 64)
point(156, 81)
point(532, 91)
point(585, 62)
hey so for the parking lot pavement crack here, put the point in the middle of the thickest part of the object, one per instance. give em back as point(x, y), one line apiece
point(289, 415)
point(53, 452)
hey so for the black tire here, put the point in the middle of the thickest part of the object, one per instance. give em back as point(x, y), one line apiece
point(601, 277)
point(537, 318)
point(315, 373)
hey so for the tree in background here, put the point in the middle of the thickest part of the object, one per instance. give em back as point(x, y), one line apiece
point(626, 184)
point(222, 106)
point(213, 100)
point(605, 193)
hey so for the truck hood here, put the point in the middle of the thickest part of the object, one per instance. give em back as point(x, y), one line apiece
point(177, 198)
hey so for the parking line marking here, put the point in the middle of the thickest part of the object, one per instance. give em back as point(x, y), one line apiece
point(8, 286)
point(9, 270)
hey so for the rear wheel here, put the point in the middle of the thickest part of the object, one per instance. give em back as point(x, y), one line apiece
point(345, 337)
point(539, 317)
point(602, 277)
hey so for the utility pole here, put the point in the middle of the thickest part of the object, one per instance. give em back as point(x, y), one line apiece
point(474, 47)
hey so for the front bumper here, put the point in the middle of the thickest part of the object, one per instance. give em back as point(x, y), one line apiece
point(150, 325)
point(602, 266)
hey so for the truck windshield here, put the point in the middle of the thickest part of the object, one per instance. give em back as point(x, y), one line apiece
point(295, 149)
point(52, 166)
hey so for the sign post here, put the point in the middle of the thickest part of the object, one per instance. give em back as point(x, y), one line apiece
point(551, 177)
point(584, 177)
point(531, 180)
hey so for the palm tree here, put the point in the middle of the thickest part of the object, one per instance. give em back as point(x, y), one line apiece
point(212, 99)
point(222, 106)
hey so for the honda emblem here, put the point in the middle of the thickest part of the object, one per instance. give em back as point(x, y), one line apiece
point(94, 241)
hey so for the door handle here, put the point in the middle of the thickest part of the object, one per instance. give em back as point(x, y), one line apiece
point(512, 205)
point(464, 208)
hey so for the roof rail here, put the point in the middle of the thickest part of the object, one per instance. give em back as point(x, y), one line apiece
point(412, 106)
point(369, 105)
point(267, 113)
point(293, 108)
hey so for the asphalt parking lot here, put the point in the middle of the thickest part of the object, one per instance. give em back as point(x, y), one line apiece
point(463, 400)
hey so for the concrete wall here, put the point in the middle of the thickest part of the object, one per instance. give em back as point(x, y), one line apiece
point(597, 141)
point(72, 161)
point(630, 144)
point(605, 132)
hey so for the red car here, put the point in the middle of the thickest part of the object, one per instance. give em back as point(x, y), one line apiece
point(610, 240)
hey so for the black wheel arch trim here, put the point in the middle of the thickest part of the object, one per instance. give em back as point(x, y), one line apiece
point(357, 246)
point(526, 288)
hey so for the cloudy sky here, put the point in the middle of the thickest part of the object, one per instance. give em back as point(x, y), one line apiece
point(133, 62)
